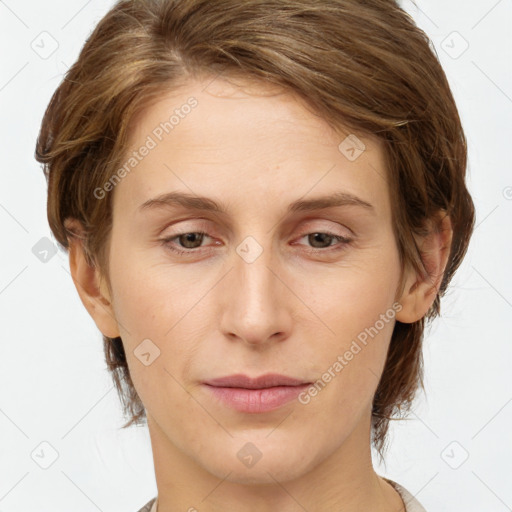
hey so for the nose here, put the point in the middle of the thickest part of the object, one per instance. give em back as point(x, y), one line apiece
point(256, 304)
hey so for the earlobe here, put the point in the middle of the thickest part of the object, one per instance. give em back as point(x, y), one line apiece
point(88, 282)
point(420, 291)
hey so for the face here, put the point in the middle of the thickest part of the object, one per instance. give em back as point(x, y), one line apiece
point(293, 273)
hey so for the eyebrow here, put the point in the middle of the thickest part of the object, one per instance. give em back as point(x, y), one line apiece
point(201, 203)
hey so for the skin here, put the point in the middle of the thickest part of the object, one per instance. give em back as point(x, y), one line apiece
point(291, 311)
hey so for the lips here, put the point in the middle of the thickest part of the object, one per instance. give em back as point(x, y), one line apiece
point(268, 380)
point(255, 395)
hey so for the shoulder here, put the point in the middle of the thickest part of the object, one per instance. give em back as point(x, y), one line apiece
point(411, 503)
point(149, 506)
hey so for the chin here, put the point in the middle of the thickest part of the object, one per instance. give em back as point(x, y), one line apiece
point(248, 467)
point(264, 475)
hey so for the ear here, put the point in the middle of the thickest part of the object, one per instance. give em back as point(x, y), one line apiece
point(420, 291)
point(89, 283)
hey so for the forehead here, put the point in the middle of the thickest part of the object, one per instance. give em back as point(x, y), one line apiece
point(219, 136)
point(219, 111)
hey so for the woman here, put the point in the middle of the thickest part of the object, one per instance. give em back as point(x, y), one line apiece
point(263, 203)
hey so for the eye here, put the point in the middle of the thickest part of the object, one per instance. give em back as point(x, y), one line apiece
point(321, 240)
point(189, 241)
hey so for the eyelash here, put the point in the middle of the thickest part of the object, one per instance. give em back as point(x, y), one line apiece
point(344, 241)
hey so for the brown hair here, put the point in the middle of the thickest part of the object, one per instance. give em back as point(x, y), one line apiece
point(362, 65)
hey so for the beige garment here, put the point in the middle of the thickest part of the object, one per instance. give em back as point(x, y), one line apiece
point(411, 503)
point(150, 506)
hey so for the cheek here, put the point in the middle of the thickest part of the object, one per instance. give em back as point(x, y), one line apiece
point(348, 373)
point(360, 311)
point(146, 298)
point(351, 297)
point(168, 306)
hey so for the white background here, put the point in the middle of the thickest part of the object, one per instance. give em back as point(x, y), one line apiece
point(54, 386)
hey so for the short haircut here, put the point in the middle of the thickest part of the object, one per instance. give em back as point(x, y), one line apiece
point(360, 65)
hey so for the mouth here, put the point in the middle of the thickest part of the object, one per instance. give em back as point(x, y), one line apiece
point(255, 395)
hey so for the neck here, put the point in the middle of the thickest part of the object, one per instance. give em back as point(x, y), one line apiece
point(343, 480)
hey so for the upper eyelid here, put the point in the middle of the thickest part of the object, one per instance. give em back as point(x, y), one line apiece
point(303, 233)
point(204, 224)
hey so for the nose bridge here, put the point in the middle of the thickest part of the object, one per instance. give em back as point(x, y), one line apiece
point(254, 309)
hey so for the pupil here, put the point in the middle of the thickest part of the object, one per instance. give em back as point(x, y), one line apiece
point(313, 238)
point(189, 238)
